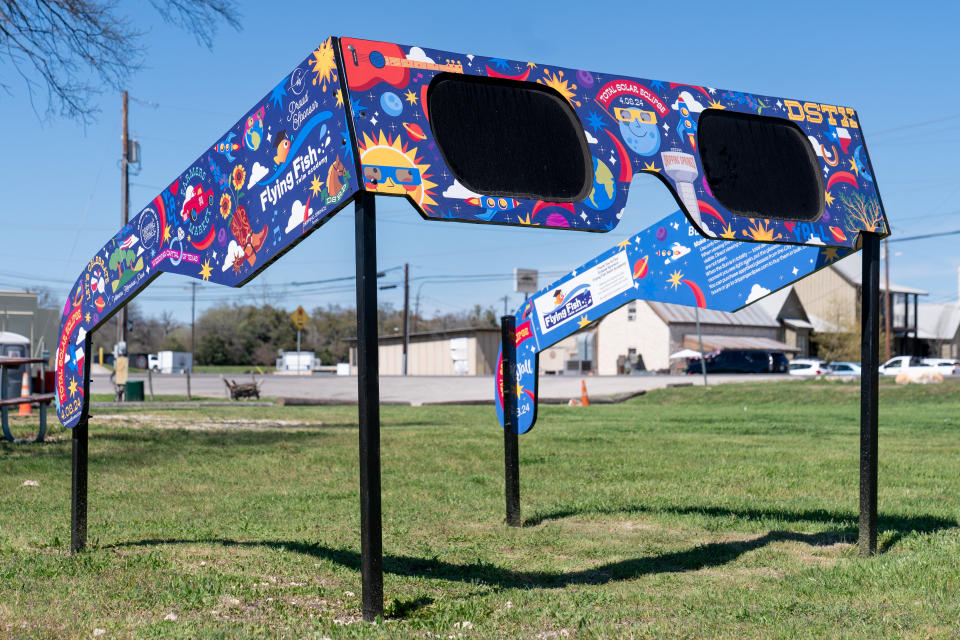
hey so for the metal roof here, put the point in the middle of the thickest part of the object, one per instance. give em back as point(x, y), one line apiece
point(850, 269)
point(938, 321)
point(751, 316)
point(8, 337)
point(712, 343)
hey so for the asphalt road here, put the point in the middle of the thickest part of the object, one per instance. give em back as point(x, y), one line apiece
point(415, 389)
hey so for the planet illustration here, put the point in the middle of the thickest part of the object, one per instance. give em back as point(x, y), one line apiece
point(414, 131)
point(222, 237)
point(585, 79)
point(641, 137)
point(640, 268)
point(602, 195)
point(391, 103)
point(661, 233)
point(838, 234)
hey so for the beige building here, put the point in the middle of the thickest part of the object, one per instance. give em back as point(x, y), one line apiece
point(939, 330)
point(651, 331)
point(831, 298)
point(469, 352)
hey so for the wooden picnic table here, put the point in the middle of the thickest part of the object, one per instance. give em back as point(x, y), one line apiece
point(42, 399)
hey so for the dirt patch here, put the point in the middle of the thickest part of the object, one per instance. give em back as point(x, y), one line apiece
point(157, 421)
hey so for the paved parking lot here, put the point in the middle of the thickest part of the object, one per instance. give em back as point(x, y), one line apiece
point(416, 389)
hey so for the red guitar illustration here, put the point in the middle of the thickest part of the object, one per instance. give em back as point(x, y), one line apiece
point(369, 62)
point(366, 63)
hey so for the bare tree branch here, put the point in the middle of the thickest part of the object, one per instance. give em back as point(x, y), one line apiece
point(73, 50)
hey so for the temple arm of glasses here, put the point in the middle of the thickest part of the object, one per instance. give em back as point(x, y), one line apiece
point(665, 263)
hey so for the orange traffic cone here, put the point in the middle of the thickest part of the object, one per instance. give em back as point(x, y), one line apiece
point(25, 392)
point(584, 398)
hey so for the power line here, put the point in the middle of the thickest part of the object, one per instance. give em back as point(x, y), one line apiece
point(927, 235)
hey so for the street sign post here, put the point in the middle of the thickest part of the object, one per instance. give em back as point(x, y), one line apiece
point(300, 319)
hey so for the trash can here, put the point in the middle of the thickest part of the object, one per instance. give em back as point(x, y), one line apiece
point(134, 390)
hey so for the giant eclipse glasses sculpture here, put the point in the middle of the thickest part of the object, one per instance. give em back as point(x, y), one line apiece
point(485, 140)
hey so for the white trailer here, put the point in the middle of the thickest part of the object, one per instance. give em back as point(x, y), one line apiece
point(297, 362)
point(171, 362)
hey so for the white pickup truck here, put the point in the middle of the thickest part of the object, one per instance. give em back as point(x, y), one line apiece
point(899, 364)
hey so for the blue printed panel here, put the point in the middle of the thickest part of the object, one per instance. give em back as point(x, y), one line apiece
point(275, 176)
point(667, 262)
point(632, 125)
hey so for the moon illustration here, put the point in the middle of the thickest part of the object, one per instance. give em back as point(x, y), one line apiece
point(391, 103)
point(641, 137)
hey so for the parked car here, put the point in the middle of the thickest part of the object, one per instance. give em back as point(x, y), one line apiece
point(946, 366)
point(741, 361)
point(895, 365)
point(808, 367)
point(844, 369)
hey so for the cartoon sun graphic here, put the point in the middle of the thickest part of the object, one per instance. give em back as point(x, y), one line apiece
point(715, 105)
point(324, 66)
point(760, 231)
point(675, 278)
point(555, 81)
point(390, 167)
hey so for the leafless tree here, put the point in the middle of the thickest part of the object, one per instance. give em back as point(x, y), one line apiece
point(75, 49)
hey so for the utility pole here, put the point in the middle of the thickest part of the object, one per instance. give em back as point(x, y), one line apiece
point(886, 299)
point(124, 205)
point(505, 300)
point(193, 320)
point(406, 314)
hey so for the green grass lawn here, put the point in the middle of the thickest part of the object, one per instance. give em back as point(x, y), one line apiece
point(727, 512)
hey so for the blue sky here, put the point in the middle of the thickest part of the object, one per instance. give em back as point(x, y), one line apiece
point(896, 66)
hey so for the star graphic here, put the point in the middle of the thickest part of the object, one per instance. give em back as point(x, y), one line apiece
point(666, 127)
point(853, 166)
point(674, 279)
point(830, 255)
point(73, 387)
point(519, 391)
point(779, 104)
point(583, 321)
point(500, 63)
point(166, 234)
point(711, 90)
point(716, 105)
point(315, 185)
point(410, 97)
point(532, 65)
point(595, 121)
point(795, 270)
point(828, 198)
point(651, 166)
point(205, 270)
point(269, 137)
point(656, 85)
point(623, 244)
point(87, 317)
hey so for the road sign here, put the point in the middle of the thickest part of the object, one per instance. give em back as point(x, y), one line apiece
point(299, 317)
point(525, 280)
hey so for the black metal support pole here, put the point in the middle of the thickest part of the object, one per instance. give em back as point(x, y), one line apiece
point(511, 449)
point(78, 489)
point(869, 363)
point(368, 401)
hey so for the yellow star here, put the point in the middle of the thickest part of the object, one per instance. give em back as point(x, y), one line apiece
point(87, 317)
point(674, 279)
point(339, 98)
point(583, 321)
point(72, 387)
point(410, 97)
point(166, 234)
point(519, 391)
point(650, 166)
point(624, 244)
point(728, 233)
point(828, 198)
point(853, 166)
point(315, 185)
point(526, 221)
point(532, 65)
point(830, 255)
point(205, 270)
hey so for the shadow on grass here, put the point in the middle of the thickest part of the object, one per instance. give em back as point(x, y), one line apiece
point(899, 525)
point(700, 557)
